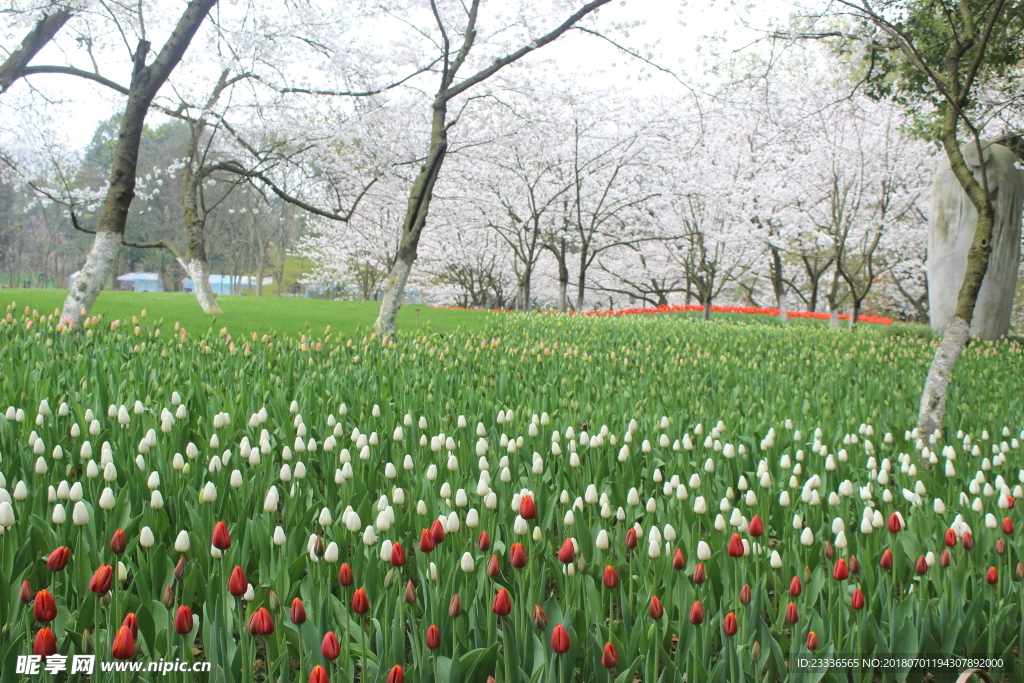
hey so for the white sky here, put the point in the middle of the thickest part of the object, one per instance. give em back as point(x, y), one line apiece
point(685, 37)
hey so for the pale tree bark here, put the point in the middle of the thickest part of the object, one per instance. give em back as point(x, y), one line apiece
point(423, 187)
point(42, 33)
point(933, 398)
point(146, 82)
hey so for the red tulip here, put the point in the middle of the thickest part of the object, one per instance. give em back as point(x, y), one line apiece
point(950, 538)
point(857, 601)
point(397, 555)
point(631, 538)
point(426, 541)
point(237, 583)
point(945, 559)
point(696, 613)
point(609, 658)
point(318, 675)
point(58, 559)
point(922, 565)
point(656, 609)
point(360, 603)
point(101, 580)
point(540, 618)
point(745, 595)
point(124, 644)
point(735, 546)
point(437, 531)
point(493, 566)
point(1010, 502)
point(993, 576)
point(517, 556)
point(45, 643)
point(298, 612)
point(567, 553)
point(26, 595)
point(45, 608)
point(791, 613)
point(967, 540)
point(812, 641)
point(886, 561)
point(455, 606)
point(345, 577)
point(118, 542)
point(559, 640)
point(433, 637)
point(840, 572)
point(527, 508)
point(611, 577)
point(729, 625)
point(699, 575)
point(678, 560)
point(502, 603)
point(132, 622)
point(330, 648)
point(484, 541)
point(221, 537)
point(261, 623)
point(396, 675)
point(756, 526)
point(1007, 525)
point(894, 523)
point(183, 621)
point(795, 587)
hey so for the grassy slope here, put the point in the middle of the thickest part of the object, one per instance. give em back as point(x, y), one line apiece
point(246, 314)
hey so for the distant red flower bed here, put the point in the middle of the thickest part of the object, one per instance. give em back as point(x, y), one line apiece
point(749, 310)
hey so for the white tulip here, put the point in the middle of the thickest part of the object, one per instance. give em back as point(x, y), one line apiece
point(79, 514)
point(182, 543)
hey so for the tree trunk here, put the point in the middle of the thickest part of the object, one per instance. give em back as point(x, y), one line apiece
point(415, 220)
point(933, 398)
point(146, 81)
point(833, 316)
point(524, 291)
point(854, 315)
point(779, 285)
point(43, 32)
point(196, 263)
point(706, 313)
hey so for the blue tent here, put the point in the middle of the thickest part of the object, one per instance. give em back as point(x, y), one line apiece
point(140, 282)
point(225, 284)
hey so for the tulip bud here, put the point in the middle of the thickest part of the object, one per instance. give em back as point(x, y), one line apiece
point(745, 595)
point(857, 601)
point(609, 658)
point(812, 641)
point(755, 651)
point(1000, 547)
point(454, 606)
point(168, 598)
point(559, 640)
point(886, 561)
point(854, 565)
point(729, 624)
point(540, 619)
point(410, 593)
point(791, 614)
point(696, 613)
point(656, 610)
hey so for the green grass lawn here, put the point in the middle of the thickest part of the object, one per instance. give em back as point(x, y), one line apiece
point(245, 314)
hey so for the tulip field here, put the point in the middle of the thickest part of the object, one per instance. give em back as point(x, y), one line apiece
point(541, 499)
